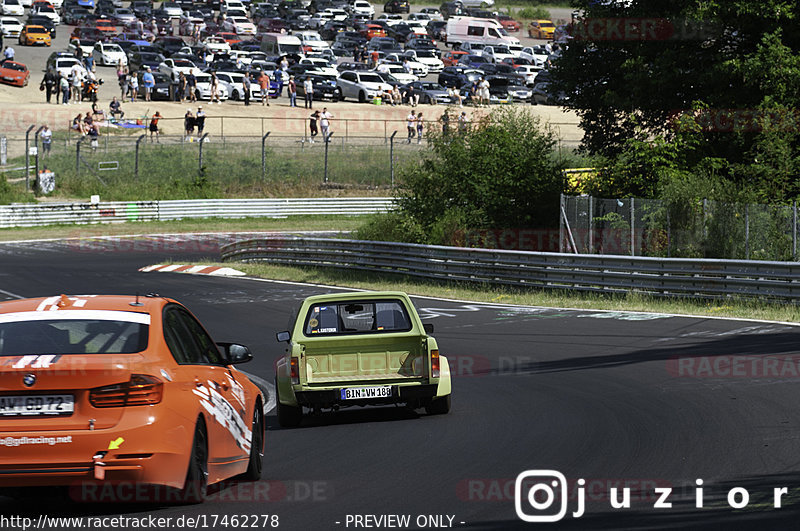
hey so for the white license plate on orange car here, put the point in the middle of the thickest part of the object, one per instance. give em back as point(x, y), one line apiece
point(356, 393)
point(31, 405)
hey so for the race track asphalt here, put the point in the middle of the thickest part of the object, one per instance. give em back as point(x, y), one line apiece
point(618, 399)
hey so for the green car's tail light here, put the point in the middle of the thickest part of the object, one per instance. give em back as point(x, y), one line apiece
point(435, 370)
point(140, 390)
point(294, 371)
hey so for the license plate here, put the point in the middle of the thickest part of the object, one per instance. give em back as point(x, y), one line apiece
point(32, 405)
point(355, 393)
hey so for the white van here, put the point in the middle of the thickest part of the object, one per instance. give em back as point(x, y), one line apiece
point(280, 44)
point(483, 30)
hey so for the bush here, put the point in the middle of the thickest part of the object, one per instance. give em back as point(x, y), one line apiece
point(499, 174)
point(537, 12)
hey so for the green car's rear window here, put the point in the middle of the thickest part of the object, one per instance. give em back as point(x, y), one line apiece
point(357, 317)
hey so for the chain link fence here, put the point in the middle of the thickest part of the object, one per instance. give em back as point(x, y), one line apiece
point(704, 229)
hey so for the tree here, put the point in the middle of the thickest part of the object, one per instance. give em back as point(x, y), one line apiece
point(499, 173)
point(716, 62)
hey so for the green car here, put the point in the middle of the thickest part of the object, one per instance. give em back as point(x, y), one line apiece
point(358, 349)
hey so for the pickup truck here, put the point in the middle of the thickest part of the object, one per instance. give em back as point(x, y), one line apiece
point(358, 349)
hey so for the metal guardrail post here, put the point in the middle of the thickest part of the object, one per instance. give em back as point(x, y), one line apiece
point(327, 142)
point(78, 156)
point(36, 144)
point(200, 154)
point(391, 156)
point(794, 230)
point(136, 156)
point(264, 156)
point(27, 156)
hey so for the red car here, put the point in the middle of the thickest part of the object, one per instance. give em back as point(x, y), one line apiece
point(373, 30)
point(230, 38)
point(13, 73)
point(508, 23)
point(452, 58)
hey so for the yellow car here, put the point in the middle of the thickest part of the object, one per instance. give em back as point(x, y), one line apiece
point(541, 29)
point(34, 35)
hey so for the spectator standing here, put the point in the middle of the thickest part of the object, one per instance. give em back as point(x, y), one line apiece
point(263, 82)
point(188, 124)
point(411, 124)
point(200, 121)
point(134, 82)
point(154, 126)
point(47, 139)
point(420, 128)
point(246, 85)
point(49, 85)
point(325, 123)
point(312, 125)
point(191, 86)
point(123, 79)
point(462, 122)
point(77, 79)
point(115, 109)
point(373, 59)
point(484, 88)
point(214, 89)
point(149, 82)
point(63, 84)
point(308, 89)
point(181, 87)
point(88, 61)
point(445, 122)
point(292, 92)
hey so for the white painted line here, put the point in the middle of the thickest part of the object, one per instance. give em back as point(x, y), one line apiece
point(226, 272)
point(195, 269)
point(267, 388)
point(171, 267)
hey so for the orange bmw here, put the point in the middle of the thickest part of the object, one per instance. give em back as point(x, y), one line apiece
point(114, 389)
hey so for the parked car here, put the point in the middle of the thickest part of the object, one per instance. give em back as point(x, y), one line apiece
point(509, 24)
point(14, 73)
point(139, 60)
point(234, 85)
point(45, 22)
point(355, 349)
point(172, 68)
point(396, 6)
point(11, 7)
point(430, 92)
point(161, 90)
point(108, 54)
point(86, 46)
point(10, 26)
point(453, 57)
point(34, 36)
point(544, 94)
point(457, 76)
point(324, 87)
point(427, 58)
point(541, 29)
point(360, 85)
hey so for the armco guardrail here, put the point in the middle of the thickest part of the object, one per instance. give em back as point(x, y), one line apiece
point(30, 215)
point(599, 273)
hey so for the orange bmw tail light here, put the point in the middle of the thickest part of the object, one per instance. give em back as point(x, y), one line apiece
point(140, 390)
point(294, 371)
point(435, 369)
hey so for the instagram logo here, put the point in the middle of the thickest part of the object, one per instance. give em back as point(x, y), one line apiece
point(540, 490)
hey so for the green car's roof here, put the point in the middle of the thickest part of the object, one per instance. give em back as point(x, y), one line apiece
point(356, 295)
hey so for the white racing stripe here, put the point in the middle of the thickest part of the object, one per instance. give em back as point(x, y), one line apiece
point(99, 315)
point(267, 388)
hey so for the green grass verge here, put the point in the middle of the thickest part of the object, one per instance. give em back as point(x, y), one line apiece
point(294, 223)
point(543, 298)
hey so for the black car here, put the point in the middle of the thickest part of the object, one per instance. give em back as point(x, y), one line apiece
point(344, 48)
point(505, 70)
point(385, 48)
point(168, 45)
point(286, 6)
point(479, 13)
point(396, 6)
point(353, 36)
point(420, 43)
point(207, 12)
point(39, 20)
point(162, 89)
point(138, 60)
point(505, 88)
point(331, 29)
point(297, 19)
point(457, 76)
point(451, 9)
point(324, 89)
point(543, 93)
point(356, 67)
point(436, 29)
point(399, 32)
point(74, 15)
point(142, 9)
